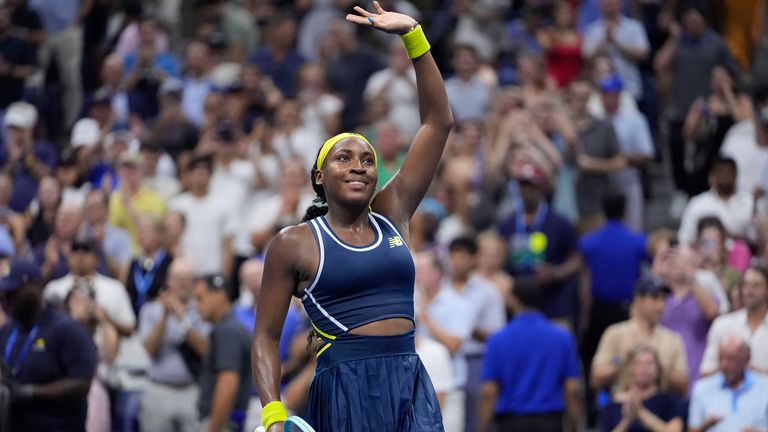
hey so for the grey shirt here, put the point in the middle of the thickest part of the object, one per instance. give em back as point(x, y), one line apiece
point(598, 140)
point(168, 366)
point(229, 350)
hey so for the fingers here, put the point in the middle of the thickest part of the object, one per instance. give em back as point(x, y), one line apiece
point(357, 19)
point(378, 8)
point(362, 11)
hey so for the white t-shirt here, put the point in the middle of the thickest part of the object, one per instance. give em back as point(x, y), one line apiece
point(437, 362)
point(315, 112)
point(110, 294)
point(735, 323)
point(233, 185)
point(209, 223)
point(264, 213)
point(303, 142)
point(402, 96)
point(751, 159)
point(735, 214)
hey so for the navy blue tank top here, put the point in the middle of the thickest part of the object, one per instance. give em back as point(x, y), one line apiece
point(354, 285)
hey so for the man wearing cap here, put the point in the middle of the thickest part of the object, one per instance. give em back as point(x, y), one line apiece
point(23, 159)
point(635, 143)
point(641, 329)
point(543, 243)
point(48, 359)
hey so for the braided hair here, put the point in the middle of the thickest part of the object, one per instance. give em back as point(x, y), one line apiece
point(319, 205)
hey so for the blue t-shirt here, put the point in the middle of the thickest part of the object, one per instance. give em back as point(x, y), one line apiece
point(283, 73)
point(530, 359)
point(294, 324)
point(614, 255)
point(24, 183)
point(59, 348)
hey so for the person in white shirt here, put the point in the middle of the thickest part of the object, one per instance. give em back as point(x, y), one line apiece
point(736, 209)
point(751, 322)
point(437, 362)
point(111, 296)
point(747, 143)
point(623, 39)
point(209, 229)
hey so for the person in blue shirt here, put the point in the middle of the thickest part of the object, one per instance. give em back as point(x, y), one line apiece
point(531, 373)
point(351, 266)
point(48, 359)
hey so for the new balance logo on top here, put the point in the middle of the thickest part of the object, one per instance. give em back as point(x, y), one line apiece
point(395, 241)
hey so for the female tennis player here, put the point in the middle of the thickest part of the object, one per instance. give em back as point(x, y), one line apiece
point(351, 266)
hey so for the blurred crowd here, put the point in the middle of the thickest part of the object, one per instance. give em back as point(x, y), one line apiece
point(151, 149)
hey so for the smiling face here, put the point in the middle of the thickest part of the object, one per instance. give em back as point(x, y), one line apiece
point(349, 173)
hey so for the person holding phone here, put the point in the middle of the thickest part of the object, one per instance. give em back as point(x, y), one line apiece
point(351, 266)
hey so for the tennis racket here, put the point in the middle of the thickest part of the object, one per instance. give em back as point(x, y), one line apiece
point(293, 424)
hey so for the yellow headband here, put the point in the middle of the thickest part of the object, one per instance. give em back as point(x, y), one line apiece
point(328, 145)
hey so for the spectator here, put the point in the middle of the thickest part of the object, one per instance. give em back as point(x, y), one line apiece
point(147, 273)
point(350, 70)
point(531, 370)
point(562, 45)
point(25, 159)
point(209, 229)
point(26, 23)
point(174, 225)
point(642, 328)
point(437, 362)
point(225, 377)
point(51, 359)
point(690, 309)
point(19, 62)
point(391, 151)
point(53, 254)
point(623, 39)
point(238, 30)
point(321, 109)
point(278, 58)
point(173, 133)
point(543, 243)
point(736, 209)
point(397, 84)
point(114, 241)
point(707, 122)
point(44, 212)
point(272, 213)
point(491, 258)
point(487, 317)
point(751, 322)
point(132, 199)
point(746, 144)
point(689, 55)
point(112, 88)
point(197, 82)
point(469, 94)
point(715, 249)
point(597, 156)
point(443, 316)
point(176, 339)
point(80, 305)
point(111, 295)
point(643, 404)
point(613, 257)
point(636, 146)
point(733, 399)
point(63, 21)
point(164, 185)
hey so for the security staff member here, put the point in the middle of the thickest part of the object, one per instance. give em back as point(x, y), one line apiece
point(48, 359)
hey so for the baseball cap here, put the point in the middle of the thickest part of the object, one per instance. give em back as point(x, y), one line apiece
point(86, 132)
point(611, 84)
point(17, 273)
point(21, 115)
point(530, 173)
point(650, 285)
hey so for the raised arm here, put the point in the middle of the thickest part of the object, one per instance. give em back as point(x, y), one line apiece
point(402, 195)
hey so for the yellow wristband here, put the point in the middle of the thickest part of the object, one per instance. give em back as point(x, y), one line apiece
point(273, 412)
point(416, 43)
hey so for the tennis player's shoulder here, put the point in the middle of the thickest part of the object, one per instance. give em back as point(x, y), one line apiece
point(290, 240)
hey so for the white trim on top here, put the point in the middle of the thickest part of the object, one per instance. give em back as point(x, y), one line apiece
point(319, 240)
point(324, 312)
point(354, 248)
point(391, 225)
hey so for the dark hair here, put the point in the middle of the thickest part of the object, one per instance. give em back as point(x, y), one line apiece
point(215, 283)
point(758, 268)
point(319, 205)
point(463, 244)
point(205, 160)
point(614, 205)
point(722, 162)
point(710, 222)
point(760, 95)
point(527, 290)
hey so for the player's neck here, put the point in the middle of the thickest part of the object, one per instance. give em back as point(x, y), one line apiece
point(353, 220)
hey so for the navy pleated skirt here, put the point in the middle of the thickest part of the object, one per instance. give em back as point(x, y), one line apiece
point(372, 384)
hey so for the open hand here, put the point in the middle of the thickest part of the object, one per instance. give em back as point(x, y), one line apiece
point(389, 22)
